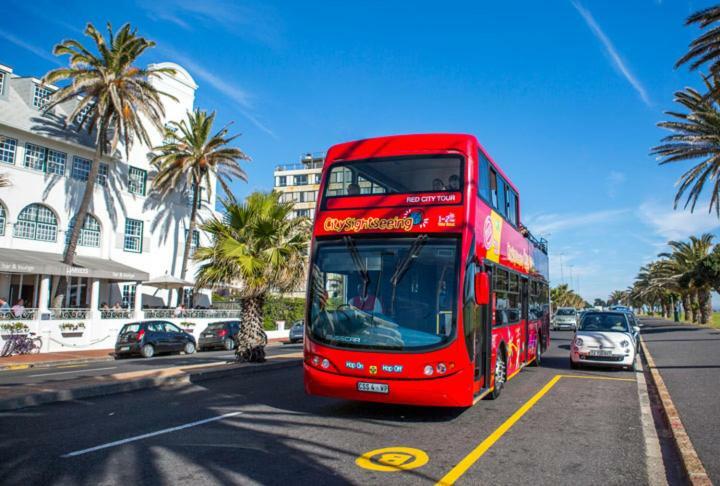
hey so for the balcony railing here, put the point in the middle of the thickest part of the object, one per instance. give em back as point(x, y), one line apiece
point(116, 314)
point(192, 314)
point(69, 314)
point(19, 315)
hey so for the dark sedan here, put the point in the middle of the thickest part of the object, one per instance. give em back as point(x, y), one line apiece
point(147, 338)
point(219, 335)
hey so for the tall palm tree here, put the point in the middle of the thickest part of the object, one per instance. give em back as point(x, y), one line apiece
point(192, 157)
point(258, 250)
point(705, 49)
point(695, 135)
point(117, 96)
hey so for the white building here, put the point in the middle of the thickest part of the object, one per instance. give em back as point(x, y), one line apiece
point(129, 237)
point(299, 183)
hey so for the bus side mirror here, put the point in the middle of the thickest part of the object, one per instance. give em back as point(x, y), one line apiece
point(482, 288)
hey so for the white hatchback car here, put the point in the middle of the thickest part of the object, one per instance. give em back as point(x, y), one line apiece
point(604, 339)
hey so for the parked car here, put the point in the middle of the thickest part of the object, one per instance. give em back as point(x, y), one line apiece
point(147, 338)
point(219, 335)
point(565, 318)
point(297, 332)
point(604, 339)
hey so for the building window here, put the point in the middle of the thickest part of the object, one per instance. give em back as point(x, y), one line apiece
point(316, 179)
point(7, 149)
point(81, 170)
point(36, 222)
point(201, 196)
point(195, 242)
point(281, 181)
point(3, 220)
point(128, 295)
point(188, 297)
point(301, 180)
point(80, 118)
point(34, 157)
point(302, 213)
point(137, 179)
point(2, 82)
point(41, 95)
point(133, 235)
point(55, 162)
point(89, 233)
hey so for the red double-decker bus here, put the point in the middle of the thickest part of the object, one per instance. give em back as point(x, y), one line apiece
point(424, 286)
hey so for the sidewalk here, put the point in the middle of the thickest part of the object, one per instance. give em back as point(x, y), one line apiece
point(49, 359)
point(44, 360)
point(688, 359)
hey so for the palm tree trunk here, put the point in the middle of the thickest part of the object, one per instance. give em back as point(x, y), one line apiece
point(686, 306)
point(69, 256)
point(694, 306)
point(705, 301)
point(251, 338)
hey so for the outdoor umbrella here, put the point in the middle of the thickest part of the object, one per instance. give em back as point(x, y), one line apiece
point(168, 282)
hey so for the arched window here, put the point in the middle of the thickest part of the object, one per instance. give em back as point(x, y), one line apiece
point(89, 233)
point(3, 219)
point(36, 222)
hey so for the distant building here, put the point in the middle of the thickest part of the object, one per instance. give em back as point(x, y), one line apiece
point(299, 183)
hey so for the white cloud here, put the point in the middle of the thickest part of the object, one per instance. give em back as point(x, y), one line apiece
point(38, 51)
point(242, 98)
point(612, 52)
point(676, 224)
point(554, 223)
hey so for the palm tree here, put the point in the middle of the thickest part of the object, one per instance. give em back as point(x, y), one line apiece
point(695, 135)
point(258, 250)
point(706, 48)
point(117, 97)
point(190, 158)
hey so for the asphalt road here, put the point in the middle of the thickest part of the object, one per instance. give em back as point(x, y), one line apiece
point(107, 367)
point(688, 358)
point(263, 429)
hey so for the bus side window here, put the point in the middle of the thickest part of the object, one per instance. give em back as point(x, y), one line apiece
point(502, 199)
point(512, 207)
point(494, 189)
point(483, 176)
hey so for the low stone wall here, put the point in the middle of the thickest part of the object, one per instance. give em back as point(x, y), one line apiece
point(102, 333)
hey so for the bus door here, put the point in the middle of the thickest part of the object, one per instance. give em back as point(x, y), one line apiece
point(475, 322)
point(524, 299)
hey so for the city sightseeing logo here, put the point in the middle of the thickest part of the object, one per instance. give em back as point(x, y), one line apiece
point(355, 225)
point(488, 233)
point(417, 216)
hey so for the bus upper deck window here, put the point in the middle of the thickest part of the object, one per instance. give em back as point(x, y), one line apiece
point(493, 188)
point(483, 177)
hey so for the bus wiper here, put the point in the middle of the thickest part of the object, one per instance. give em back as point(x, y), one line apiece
point(359, 265)
point(403, 266)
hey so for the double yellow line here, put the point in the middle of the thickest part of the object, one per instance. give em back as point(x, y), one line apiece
point(462, 467)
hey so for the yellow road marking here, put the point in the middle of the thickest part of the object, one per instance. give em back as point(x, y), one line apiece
point(392, 459)
point(465, 464)
point(17, 367)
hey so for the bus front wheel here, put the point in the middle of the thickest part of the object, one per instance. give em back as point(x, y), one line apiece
point(538, 352)
point(500, 374)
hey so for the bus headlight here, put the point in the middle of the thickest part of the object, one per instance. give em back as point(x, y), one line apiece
point(428, 370)
point(316, 360)
point(325, 363)
point(441, 368)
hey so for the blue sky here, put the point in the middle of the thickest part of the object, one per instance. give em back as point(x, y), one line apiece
point(564, 95)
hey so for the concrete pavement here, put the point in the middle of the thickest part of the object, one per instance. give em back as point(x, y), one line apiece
point(263, 429)
point(688, 359)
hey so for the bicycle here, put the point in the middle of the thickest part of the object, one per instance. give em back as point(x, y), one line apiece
point(17, 343)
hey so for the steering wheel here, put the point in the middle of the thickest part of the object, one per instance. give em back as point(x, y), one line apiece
point(341, 309)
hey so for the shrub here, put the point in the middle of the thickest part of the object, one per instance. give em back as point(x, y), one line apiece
point(277, 308)
point(72, 326)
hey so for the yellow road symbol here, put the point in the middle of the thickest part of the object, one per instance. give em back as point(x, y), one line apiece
point(392, 459)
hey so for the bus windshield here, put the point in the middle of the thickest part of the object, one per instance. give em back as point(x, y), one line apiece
point(395, 175)
point(391, 294)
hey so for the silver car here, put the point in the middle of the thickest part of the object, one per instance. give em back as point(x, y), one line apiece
point(297, 332)
point(565, 318)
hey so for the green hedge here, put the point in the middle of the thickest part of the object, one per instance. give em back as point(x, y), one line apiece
point(288, 309)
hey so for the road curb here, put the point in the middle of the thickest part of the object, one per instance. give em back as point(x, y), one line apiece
point(104, 389)
point(691, 464)
point(50, 364)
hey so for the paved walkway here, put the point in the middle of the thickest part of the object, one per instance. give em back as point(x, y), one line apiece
point(45, 358)
point(688, 358)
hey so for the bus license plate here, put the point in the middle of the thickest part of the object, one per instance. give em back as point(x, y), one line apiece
point(600, 352)
point(373, 387)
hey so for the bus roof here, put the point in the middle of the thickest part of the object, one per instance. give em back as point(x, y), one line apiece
point(410, 144)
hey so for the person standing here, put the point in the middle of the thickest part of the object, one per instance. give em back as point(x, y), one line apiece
point(19, 308)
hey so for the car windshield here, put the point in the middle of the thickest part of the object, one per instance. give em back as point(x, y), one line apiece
point(128, 328)
point(217, 325)
point(604, 323)
point(395, 175)
point(566, 312)
point(396, 293)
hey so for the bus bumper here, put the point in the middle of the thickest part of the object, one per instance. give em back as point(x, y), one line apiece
point(453, 390)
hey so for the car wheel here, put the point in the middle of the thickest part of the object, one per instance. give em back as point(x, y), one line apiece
point(189, 347)
point(500, 377)
point(229, 344)
point(147, 351)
